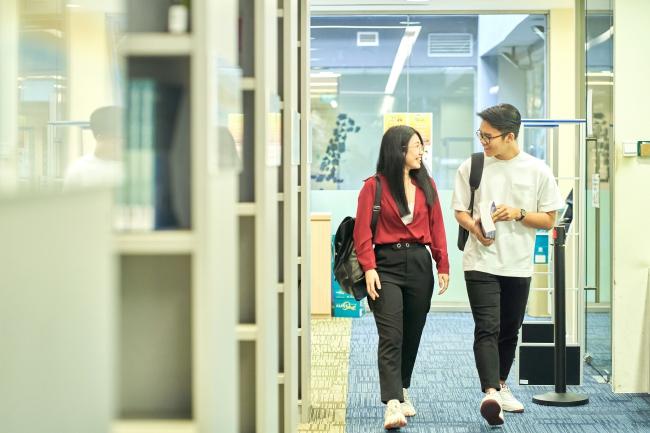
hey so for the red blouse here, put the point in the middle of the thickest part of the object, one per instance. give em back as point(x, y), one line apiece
point(427, 227)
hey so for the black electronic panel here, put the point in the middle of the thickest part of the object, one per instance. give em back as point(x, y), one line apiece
point(537, 332)
point(536, 365)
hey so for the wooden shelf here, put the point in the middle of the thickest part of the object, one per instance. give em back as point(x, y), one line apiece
point(246, 209)
point(154, 426)
point(155, 242)
point(156, 44)
point(247, 332)
point(248, 83)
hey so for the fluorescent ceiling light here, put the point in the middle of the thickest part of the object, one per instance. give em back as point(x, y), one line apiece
point(403, 53)
point(387, 104)
point(356, 27)
point(409, 23)
point(510, 58)
point(324, 75)
point(600, 38)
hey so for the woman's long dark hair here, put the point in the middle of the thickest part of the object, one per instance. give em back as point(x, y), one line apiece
point(392, 157)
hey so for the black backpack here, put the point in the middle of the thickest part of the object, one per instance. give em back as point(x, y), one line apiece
point(475, 174)
point(347, 270)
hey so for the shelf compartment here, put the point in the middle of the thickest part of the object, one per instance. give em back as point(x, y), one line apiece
point(155, 351)
point(247, 293)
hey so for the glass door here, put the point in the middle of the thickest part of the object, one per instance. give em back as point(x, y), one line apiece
point(599, 93)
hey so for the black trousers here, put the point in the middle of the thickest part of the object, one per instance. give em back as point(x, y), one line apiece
point(498, 306)
point(406, 274)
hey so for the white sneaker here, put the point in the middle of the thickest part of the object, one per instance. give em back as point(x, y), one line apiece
point(407, 405)
point(491, 408)
point(508, 401)
point(393, 417)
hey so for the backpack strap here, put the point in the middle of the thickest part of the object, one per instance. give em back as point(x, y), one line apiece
point(475, 175)
point(377, 206)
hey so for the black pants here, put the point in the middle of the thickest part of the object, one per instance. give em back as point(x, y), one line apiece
point(498, 306)
point(406, 276)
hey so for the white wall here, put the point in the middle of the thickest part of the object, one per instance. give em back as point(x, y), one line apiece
point(8, 92)
point(631, 182)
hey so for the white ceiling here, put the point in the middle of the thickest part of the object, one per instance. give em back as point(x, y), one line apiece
point(432, 6)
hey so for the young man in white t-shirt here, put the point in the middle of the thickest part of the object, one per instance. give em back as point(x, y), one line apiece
point(498, 271)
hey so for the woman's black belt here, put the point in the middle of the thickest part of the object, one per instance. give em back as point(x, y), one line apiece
point(401, 245)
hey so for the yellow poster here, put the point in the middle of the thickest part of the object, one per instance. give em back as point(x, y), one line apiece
point(421, 122)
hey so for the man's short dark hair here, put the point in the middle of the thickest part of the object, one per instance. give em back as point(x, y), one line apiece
point(106, 122)
point(503, 117)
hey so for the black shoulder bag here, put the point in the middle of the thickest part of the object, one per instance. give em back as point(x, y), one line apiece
point(347, 270)
point(475, 174)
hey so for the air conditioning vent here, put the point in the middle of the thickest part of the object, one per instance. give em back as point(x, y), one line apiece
point(367, 39)
point(449, 45)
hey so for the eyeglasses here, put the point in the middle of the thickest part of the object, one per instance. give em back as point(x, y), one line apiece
point(486, 138)
point(419, 147)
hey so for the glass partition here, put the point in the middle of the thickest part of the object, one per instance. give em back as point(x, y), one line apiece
point(68, 68)
point(431, 71)
point(599, 80)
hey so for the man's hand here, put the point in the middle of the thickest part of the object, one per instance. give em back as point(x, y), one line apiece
point(506, 213)
point(477, 231)
point(372, 283)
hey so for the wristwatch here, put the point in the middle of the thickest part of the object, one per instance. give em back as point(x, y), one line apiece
point(523, 214)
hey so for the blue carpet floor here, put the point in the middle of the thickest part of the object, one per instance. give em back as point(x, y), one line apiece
point(599, 339)
point(446, 394)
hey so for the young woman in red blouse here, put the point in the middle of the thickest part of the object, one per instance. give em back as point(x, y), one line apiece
point(398, 270)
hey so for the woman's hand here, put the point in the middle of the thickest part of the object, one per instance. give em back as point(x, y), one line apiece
point(372, 283)
point(443, 282)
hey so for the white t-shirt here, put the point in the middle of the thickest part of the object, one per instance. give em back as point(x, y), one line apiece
point(90, 171)
point(408, 219)
point(521, 182)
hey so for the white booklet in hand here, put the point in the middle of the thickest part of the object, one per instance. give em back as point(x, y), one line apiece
point(487, 209)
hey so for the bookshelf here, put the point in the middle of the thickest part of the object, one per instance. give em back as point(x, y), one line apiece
point(218, 302)
point(303, 189)
point(178, 337)
point(258, 218)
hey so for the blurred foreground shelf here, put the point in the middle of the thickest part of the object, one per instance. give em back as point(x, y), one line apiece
point(156, 44)
point(155, 242)
point(153, 426)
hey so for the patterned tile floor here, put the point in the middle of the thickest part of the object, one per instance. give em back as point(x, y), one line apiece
point(330, 352)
